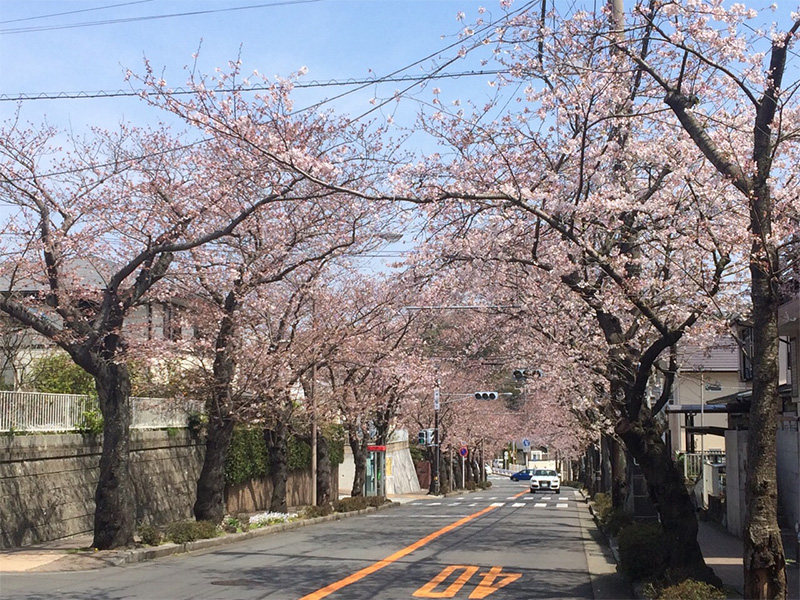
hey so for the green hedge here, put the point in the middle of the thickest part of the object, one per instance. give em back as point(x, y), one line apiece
point(247, 458)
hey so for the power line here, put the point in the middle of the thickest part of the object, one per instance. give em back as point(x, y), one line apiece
point(149, 17)
point(73, 12)
point(81, 95)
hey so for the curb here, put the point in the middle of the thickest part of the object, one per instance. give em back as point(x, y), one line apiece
point(143, 554)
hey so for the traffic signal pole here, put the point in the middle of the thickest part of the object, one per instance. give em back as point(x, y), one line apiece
point(436, 440)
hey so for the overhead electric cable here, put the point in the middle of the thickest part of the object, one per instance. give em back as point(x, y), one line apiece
point(150, 17)
point(80, 95)
point(73, 12)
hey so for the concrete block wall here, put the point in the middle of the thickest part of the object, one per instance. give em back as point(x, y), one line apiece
point(47, 482)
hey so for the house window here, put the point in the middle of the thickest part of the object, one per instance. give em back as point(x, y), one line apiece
point(172, 323)
point(746, 354)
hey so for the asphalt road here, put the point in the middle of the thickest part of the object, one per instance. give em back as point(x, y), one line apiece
point(502, 543)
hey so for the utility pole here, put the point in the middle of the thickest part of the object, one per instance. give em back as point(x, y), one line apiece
point(313, 415)
point(436, 405)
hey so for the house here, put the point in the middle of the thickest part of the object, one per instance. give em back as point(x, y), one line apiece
point(154, 320)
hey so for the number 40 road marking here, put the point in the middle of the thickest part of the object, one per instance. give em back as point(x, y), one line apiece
point(493, 580)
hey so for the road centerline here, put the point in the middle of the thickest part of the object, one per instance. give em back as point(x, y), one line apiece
point(392, 558)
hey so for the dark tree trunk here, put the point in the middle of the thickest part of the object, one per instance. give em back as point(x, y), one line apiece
point(667, 491)
point(431, 451)
point(764, 557)
point(210, 502)
point(276, 440)
point(114, 514)
point(323, 472)
point(358, 446)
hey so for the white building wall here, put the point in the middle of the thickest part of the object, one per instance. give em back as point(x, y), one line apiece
point(788, 445)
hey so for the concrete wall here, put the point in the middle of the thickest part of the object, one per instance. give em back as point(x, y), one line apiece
point(735, 473)
point(788, 442)
point(47, 482)
point(401, 475)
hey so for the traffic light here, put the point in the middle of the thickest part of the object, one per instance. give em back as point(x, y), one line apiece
point(425, 437)
point(521, 374)
point(486, 395)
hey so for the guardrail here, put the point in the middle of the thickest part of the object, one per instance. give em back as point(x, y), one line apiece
point(45, 413)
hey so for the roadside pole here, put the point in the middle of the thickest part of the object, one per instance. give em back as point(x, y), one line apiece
point(436, 440)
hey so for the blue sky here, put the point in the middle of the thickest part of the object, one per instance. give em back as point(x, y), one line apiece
point(334, 39)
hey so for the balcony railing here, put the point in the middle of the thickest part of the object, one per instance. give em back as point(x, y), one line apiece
point(45, 413)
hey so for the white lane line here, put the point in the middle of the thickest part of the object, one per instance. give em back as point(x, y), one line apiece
point(493, 498)
point(563, 498)
point(434, 504)
point(547, 497)
point(528, 497)
point(518, 505)
point(454, 503)
point(540, 505)
point(473, 504)
point(511, 498)
point(565, 505)
point(498, 504)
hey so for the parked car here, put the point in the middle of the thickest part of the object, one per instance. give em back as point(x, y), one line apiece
point(522, 475)
point(545, 480)
point(488, 468)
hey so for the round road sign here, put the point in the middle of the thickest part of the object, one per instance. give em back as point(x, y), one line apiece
point(463, 451)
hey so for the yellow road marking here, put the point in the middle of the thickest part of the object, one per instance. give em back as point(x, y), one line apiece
point(427, 590)
point(374, 567)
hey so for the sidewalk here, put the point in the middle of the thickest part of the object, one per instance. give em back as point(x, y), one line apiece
point(723, 553)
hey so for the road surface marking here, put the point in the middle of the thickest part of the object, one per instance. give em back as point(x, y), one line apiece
point(385, 562)
point(563, 498)
point(547, 497)
point(512, 497)
point(518, 504)
point(540, 505)
point(497, 504)
point(454, 504)
point(492, 580)
point(473, 504)
point(565, 505)
point(528, 497)
point(426, 591)
point(435, 504)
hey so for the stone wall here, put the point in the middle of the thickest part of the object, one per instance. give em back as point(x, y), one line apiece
point(47, 482)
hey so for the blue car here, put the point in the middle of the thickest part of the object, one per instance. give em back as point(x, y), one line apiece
point(522, 475)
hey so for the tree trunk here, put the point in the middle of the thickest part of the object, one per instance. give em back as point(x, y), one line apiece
point(764, 558)
point(323, 472)
point(276, 440)
point(114, 514)
point(210, 502)
point(668, 493)
point(359, 449)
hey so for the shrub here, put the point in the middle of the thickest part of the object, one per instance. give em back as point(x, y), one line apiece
point(484, 485)
point(350, 504)
point(689, 589)
point(311, 512)
point(150, 535)
point(642, 553)
point(615, 520)
point(189, 531)
point(247, 456)
point(602, 505)
point(235, 524)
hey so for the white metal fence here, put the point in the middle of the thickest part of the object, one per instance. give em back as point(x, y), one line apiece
point(39, 412)
point(693, 462)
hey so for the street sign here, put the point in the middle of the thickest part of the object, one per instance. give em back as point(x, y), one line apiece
point(436, 398)
point(463, 452)
point(526, 443)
